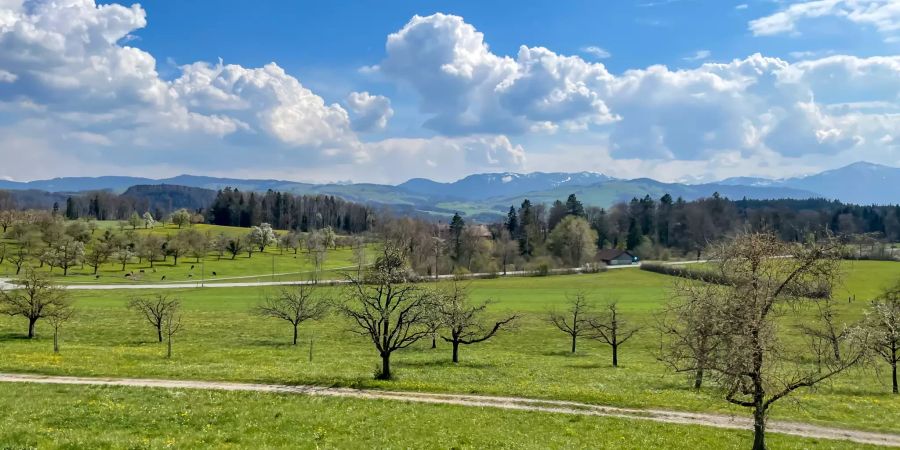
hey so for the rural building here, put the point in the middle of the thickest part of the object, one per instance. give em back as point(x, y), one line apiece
point(615, 257)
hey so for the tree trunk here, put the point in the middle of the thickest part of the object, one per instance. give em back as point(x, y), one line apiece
point(31, 323)
point(698, 379)
point(894, 370)
point(385, 367)
point(159, 333)
point(573, 342)
point(55, 340)
point(169, 347)
point(433, 340)
point(615, 350)
point(455, 351)
point(759, 427)
point(295, 334)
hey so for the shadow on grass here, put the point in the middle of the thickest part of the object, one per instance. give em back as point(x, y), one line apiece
point(445, 363)
point(9, 336)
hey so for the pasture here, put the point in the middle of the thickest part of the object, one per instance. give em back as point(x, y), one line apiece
point(223, 341)
point(286, 265)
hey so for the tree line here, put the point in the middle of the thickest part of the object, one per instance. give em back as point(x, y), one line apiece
point(289, 212)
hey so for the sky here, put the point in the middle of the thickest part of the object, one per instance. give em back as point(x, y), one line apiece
point(383, 91)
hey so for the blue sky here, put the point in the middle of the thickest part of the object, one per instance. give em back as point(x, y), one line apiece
point(678, 90)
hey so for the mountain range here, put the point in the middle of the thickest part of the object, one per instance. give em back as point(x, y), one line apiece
point(486, 196)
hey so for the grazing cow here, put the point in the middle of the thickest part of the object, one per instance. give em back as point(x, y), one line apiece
point(214, 274)
point(190, 275)
point(97, 277)
point(163, 278)
point(142, 270)
point(127, 275)
point(192, 267)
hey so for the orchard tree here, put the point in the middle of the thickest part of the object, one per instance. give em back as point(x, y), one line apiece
point(171, 325)
point(234, 246)
point(690, 333)
point(35, 297)
point(384, 307)
point(763, 281)
point(295, 305)
point(134, 221)
point(181, 217)
point(883, 319)
point(149, 221)
point(151, 248)
point(462, 319)
point(99, 254)
point(156, 310)
point(575, 320)
point(57, 318)
point(262, 236)
point(610, 328)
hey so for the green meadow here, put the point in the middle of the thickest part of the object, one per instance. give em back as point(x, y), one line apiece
point(91, 417)
point(222, 340)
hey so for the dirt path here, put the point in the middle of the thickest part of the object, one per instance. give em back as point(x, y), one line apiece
point(515, 403)
point(212, 282)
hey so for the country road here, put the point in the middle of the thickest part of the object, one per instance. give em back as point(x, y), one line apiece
point(5, 283)
point(514, 403)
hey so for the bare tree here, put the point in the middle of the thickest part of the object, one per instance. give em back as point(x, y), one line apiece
point(763, 280)
point(156, 310)
point(35, 297)
point(387, 309)
point(461, 318)
point(575, 320)
point(827, 335)
point(611, 329)
point(295, 305)
point(883, 319)
point(57, 317)
point(690, 333)
point(171, 324)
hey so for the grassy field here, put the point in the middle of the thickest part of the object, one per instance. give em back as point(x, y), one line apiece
point(222, 341)
point(260, 266)
point(89, 417)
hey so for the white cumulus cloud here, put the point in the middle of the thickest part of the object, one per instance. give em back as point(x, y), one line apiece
point(369, 112)
point(883, 15)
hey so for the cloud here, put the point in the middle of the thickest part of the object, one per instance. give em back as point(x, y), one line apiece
point(742, 6)
point(883, 15)
point(370, 112)
point(699, 55)
point(596, 52)
point(465, 88)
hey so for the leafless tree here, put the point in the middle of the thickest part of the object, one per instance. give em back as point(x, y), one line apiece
point(883, 320)
point(171, 324)
point(461, 318)
point(690, 334)
point(57, 317)
point(295, 305)
point(827, 335)
point(156, 310)
point(766, 279)
point(34, 298)
point(575, 320)
point(611, 329)
point(387, 309)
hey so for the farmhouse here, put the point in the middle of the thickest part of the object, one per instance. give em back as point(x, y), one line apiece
point(616, 257)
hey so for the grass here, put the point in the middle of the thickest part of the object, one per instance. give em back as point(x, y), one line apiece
point(222, 341)
point(243, 268)
point(115, 417)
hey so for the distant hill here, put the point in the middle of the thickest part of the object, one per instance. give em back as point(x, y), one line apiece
point(861, 183)
point(489, 195)
point(491, 185)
